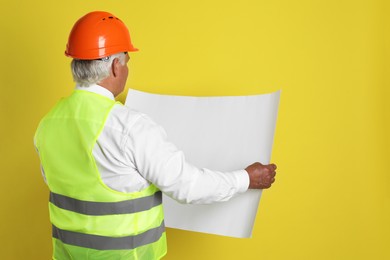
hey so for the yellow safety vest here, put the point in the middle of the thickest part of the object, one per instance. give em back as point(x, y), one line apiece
point(89, 219)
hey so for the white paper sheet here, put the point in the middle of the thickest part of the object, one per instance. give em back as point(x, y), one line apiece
point(218, 133)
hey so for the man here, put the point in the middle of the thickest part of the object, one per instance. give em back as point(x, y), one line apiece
point(106, 165)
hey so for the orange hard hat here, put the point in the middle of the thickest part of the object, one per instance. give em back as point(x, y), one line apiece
point(97, 35)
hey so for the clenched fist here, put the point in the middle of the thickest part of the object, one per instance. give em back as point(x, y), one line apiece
point(261, 176)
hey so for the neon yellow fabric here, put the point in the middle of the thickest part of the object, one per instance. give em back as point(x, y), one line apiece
point(65, 139)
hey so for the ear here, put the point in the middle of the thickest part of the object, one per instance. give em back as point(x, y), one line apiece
point(115, 67)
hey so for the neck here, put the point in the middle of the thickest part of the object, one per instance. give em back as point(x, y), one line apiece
point(110, 87)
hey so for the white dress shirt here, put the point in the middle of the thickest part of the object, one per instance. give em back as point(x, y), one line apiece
point(132, 152)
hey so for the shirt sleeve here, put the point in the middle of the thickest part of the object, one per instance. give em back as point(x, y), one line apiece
point(161, 163)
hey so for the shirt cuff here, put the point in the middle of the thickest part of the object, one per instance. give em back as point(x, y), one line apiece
point(242, 180)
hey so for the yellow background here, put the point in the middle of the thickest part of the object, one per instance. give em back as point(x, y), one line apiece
point(332, 195)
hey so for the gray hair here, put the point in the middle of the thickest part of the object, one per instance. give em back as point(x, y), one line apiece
point(88, 72)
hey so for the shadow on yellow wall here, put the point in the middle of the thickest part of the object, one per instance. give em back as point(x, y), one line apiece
point(331, 199)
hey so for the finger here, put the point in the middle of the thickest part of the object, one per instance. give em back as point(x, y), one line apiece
point(271, 179)
point(262, 185)
point(266, 186)
point(269, 174)
point(272, 166)
point(269, 169)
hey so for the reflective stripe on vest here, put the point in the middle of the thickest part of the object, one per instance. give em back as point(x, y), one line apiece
point(88, 217)
point(109, 243)
point(106, 208)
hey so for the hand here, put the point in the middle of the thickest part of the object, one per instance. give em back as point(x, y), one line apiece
point(261, 176)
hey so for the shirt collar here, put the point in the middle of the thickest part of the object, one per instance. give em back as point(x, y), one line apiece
point(94, 88)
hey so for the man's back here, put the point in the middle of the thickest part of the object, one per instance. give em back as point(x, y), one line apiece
point(88, 217)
